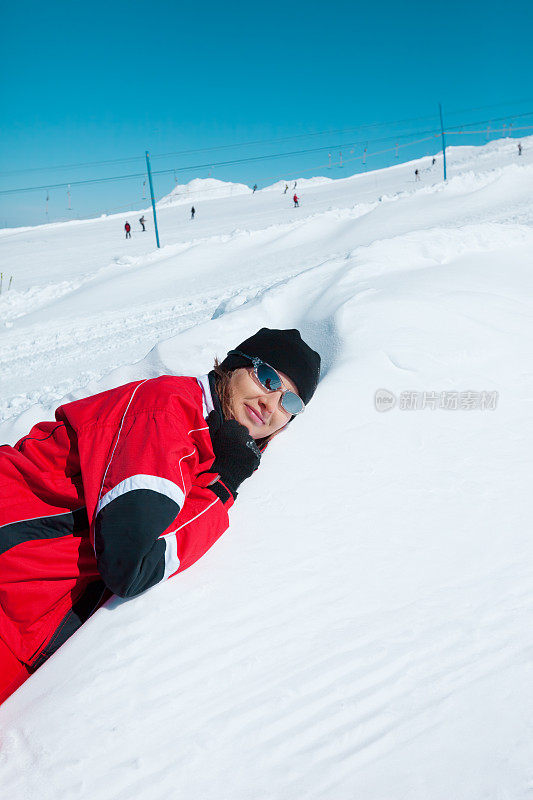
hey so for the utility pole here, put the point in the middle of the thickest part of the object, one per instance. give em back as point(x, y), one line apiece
point(152, 196)
point(443, 141)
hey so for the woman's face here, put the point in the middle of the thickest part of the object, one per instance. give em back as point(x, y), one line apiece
point(255, 408)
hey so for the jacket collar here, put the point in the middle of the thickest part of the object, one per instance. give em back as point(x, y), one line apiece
point(210, 401)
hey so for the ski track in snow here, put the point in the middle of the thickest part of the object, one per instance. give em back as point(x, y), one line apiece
point(364, 629)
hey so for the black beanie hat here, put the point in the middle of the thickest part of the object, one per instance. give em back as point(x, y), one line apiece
point(283, 350)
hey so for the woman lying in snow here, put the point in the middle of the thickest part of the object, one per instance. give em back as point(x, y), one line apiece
point(128, 487)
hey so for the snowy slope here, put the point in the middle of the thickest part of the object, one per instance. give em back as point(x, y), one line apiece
point(364, 629)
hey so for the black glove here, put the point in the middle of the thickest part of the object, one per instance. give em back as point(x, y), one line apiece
point(236, 454)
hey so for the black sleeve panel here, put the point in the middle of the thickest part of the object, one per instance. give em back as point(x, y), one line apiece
point(129, 554)
point(74, 619)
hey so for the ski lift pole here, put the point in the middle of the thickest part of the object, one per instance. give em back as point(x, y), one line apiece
point(152, 196)
point(443, 141)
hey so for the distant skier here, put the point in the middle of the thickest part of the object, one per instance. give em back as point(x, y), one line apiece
point(286, 187)
point(519, 148)
point(142, 221)
point(295, 182)
point(417, 175)
point(433, 162)
point(127, 228)
point(193, 212)
point(255, 188)
point(295, 200)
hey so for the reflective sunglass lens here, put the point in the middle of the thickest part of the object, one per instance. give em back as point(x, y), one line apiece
point(292, 403)
point(268, 377)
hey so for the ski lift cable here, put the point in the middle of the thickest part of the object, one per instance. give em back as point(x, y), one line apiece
point(356, 158)
point(216, 147)
point(264, 141)
point(232, 162)
point(493, 130)
point(325, 147)
point(197, 166)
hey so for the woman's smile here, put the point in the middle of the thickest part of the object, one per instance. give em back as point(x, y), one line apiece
point(254, 415)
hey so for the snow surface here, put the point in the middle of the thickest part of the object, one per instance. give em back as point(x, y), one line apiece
point(364, 628)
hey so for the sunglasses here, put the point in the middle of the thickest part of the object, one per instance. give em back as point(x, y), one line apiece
point(271, 381)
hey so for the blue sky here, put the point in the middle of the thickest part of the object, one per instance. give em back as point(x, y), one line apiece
point(104, 81)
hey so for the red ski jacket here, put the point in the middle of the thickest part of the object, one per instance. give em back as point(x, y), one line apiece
point(112, 497)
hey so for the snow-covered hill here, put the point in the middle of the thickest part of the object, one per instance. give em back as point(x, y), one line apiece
point(364, 629)
point(201, 189)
